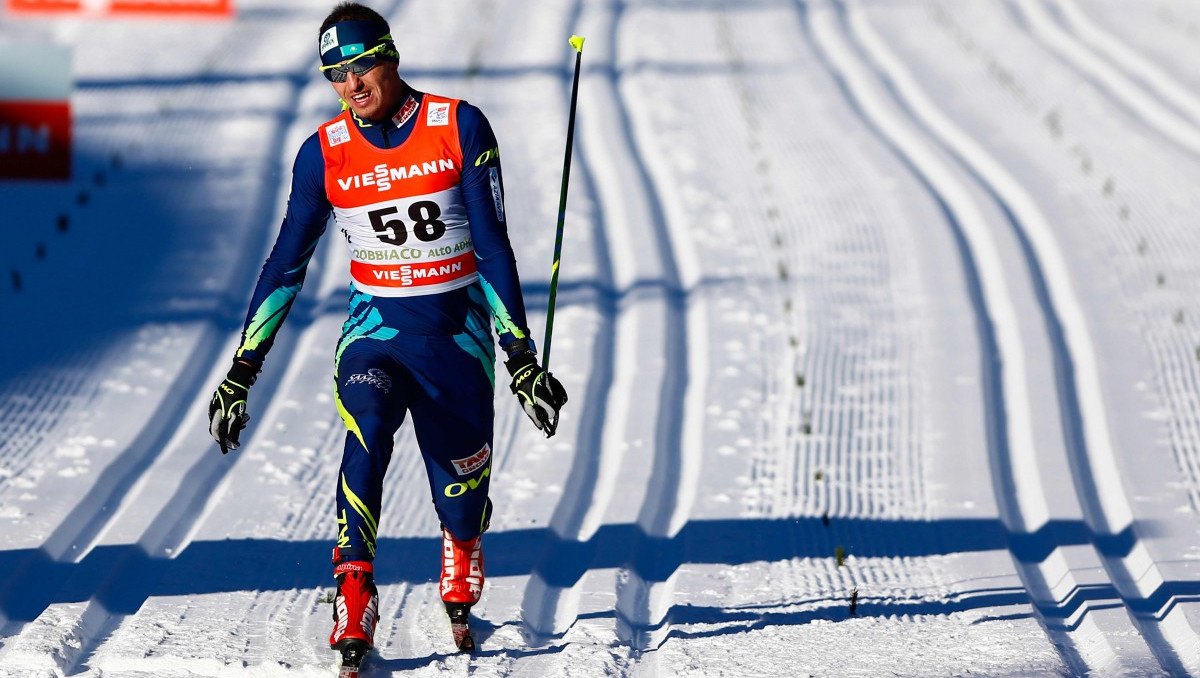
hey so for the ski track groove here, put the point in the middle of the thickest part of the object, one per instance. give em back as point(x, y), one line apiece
point(1106, 506)
point(1107, 511)
point(1038, 578)
point(1170, 349)
point(1088, 59)
point(1135, 65)
point(1147, 243)
point(643, 604)
point(548, 610)
point(1019, 490)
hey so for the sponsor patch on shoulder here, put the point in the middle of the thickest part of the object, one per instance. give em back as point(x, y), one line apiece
point(329, 39)
point(406, 111)
point(337, 133)
point(438, 115)
point(474, 462)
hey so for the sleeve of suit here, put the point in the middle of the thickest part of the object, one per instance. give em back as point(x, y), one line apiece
point(282, 276)
point(483, 195)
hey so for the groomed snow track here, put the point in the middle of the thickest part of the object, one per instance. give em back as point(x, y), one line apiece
point(872, 74)
point(863, 380)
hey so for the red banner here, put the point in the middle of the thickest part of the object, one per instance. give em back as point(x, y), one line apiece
point(414, 275)
point(212, 8)
point(171, 7)
point(43, 6)
point(35, 140)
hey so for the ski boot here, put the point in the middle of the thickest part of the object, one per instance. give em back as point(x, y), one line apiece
point(355, 610)
point(461, 584)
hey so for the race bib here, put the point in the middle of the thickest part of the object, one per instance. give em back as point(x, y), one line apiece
point(411, 246)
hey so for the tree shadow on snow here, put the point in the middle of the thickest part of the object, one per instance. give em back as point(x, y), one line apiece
point(268, 564)
point(380, 666)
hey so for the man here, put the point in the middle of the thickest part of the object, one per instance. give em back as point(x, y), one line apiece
point(413, 181)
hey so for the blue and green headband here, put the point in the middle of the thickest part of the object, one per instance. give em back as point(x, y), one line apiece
point(345, 39)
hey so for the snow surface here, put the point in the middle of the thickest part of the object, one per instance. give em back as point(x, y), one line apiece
point(880, 322)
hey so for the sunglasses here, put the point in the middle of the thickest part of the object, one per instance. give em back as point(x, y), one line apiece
point(359, 65)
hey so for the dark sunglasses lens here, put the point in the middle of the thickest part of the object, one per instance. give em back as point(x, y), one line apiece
point(357, 67)
point(361, 66)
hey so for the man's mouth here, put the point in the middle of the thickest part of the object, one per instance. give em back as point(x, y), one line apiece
point(361, 99)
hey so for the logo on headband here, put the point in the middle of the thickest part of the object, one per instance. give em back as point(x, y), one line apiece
point(329, 40)
point(351, 50)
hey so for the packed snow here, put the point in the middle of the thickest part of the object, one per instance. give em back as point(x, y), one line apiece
point(880, 323)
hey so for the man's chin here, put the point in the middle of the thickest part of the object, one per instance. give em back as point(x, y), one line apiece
point(366, 110)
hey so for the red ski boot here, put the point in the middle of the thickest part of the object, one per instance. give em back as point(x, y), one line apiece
point(355, 609)
point(461, 584)
point(462, 569)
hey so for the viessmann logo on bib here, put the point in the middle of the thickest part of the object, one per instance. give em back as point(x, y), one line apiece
point(382, 176)
point(414, 275)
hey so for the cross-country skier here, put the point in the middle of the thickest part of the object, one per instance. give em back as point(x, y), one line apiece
point(414, 184)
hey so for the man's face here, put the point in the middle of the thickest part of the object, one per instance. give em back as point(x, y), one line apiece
point(373, 95)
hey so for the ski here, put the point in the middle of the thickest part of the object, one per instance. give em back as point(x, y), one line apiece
point(353, 652)
point(460, 625)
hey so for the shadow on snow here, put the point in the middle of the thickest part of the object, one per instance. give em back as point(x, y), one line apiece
point(270, 564)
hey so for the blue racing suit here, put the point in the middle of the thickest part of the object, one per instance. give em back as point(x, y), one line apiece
point(429, 352)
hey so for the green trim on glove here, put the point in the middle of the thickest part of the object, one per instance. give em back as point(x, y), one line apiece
point(540, 394)
point(227, 410)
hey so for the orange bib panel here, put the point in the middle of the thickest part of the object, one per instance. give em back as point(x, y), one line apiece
point(401, 209)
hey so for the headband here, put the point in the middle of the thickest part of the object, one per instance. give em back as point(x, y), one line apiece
point(345, 39)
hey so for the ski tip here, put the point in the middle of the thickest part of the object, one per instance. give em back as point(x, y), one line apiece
point(577, 42)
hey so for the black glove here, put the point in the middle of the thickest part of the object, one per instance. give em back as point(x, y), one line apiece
point(227, 409)
point(539, 392)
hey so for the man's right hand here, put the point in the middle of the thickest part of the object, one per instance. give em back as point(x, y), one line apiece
point(227, 409)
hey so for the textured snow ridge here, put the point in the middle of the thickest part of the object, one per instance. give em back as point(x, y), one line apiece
point(879, 322)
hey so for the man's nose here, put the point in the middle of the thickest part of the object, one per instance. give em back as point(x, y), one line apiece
point(352, 81)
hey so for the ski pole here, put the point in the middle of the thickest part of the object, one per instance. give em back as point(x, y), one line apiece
point(576, 42)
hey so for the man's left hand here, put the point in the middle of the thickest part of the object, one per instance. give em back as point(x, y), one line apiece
point(227, 410)
point(541, 395)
